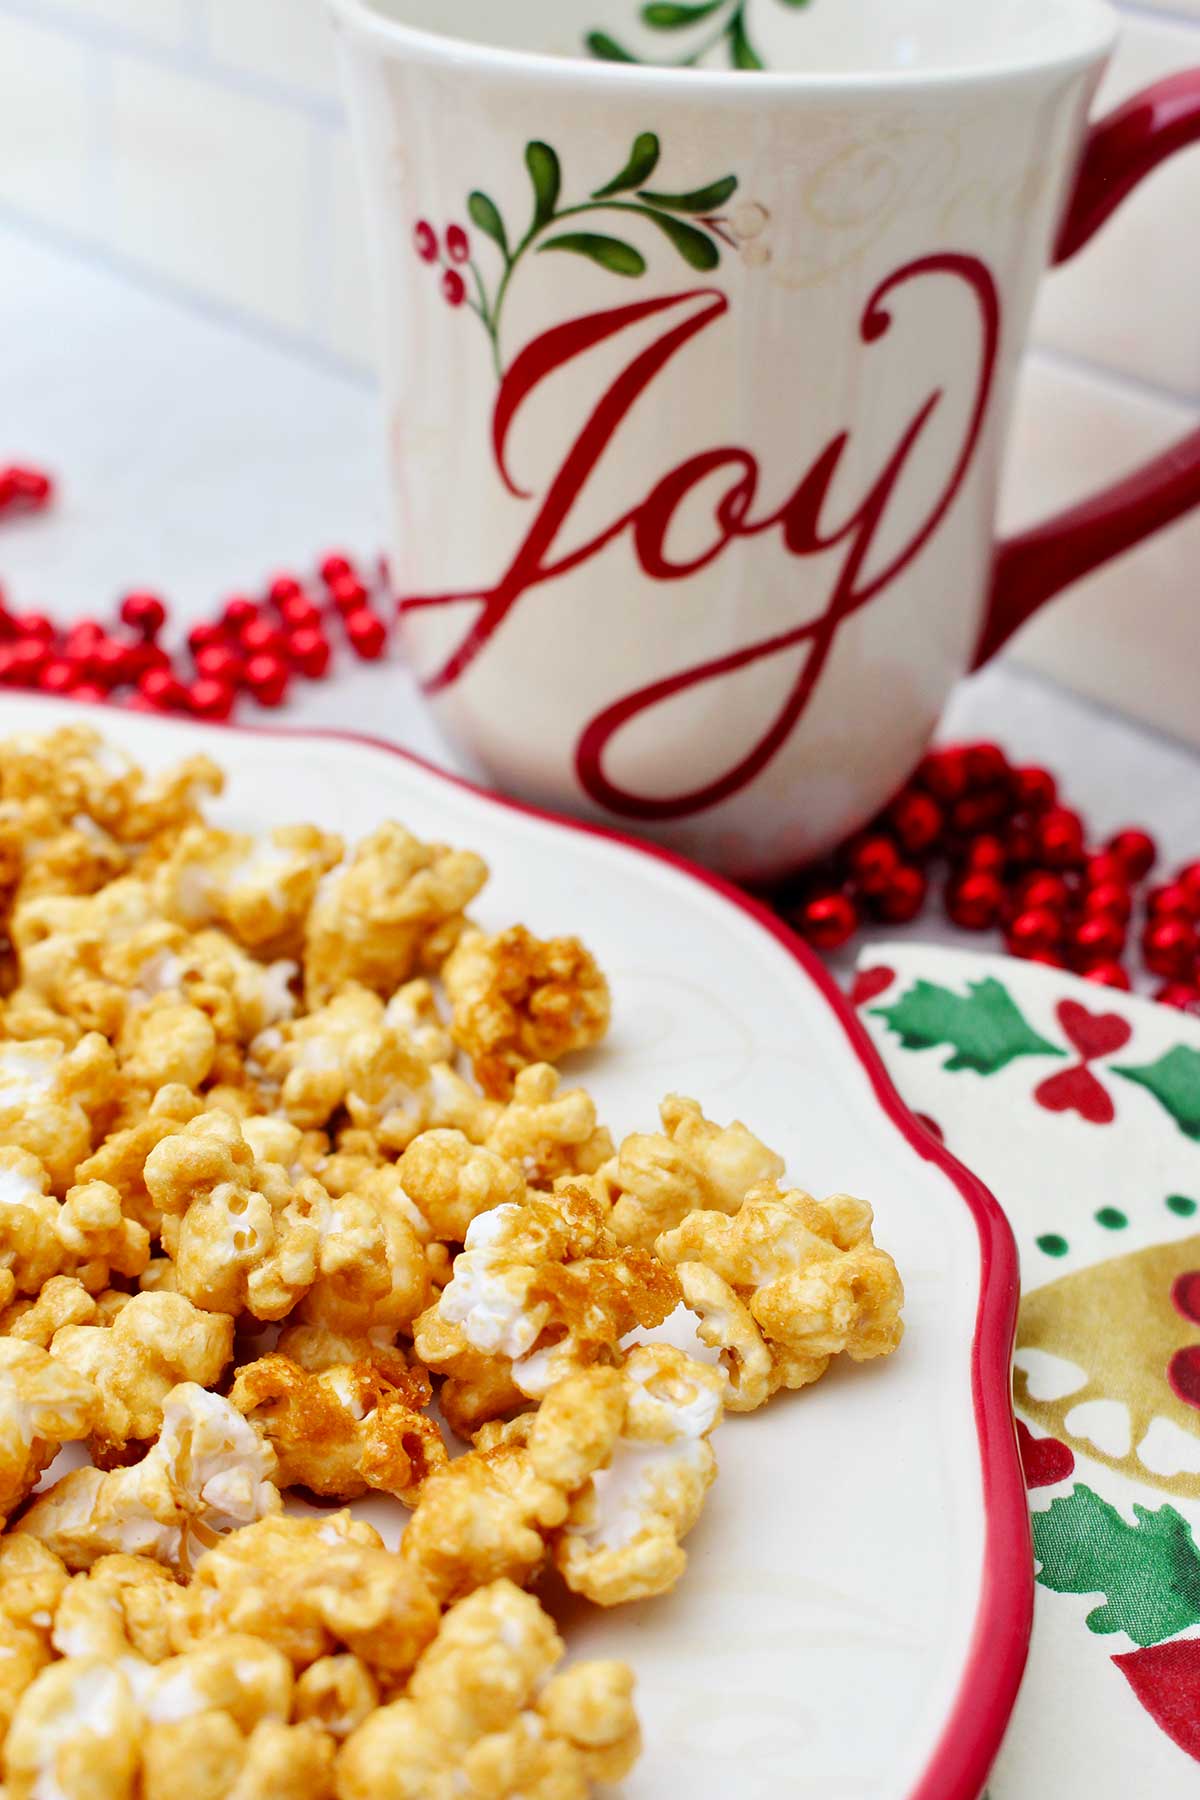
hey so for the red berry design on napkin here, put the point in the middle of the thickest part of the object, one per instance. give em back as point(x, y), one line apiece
point(1166, 1679)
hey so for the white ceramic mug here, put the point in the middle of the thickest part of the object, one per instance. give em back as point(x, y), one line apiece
point(699, 375)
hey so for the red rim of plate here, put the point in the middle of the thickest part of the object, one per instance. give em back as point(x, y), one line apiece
point(987, 1689)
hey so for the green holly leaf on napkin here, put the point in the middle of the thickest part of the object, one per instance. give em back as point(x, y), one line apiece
point(1174, 1080)
point(1149, 1572)
point(985, 1027)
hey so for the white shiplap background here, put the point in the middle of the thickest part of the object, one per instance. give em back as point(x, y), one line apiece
point(199, 147)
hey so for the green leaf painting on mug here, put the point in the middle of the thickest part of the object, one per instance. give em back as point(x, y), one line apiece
point(681, 16)
point(696, 236)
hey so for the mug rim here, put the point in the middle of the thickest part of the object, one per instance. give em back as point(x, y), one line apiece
point(1097, 24)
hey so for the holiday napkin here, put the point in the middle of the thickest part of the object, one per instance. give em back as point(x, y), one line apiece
point(1080, 1108)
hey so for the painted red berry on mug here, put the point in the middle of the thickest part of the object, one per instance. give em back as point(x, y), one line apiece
point(458, 244)
point(454, 288)
point(426, 240)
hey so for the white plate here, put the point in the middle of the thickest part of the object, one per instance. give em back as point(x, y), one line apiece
point(855, 1615)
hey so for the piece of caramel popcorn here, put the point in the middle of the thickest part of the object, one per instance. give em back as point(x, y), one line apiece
point(167, 1041)
point(657, 1178)
point(546, 1288)
point(155, 1342)
point(259, 890)
point(119, 1609)
point(373, 1277)
point(394, 908)
point(242, 1235)
point(484, 1716)
point(345, 1431)
point(86, 1235)
point(622, 1539)
point(785, 1285)
point(451, 1181)
point(77, 773)
point(63, 1301)
point(545, 1133)
point(94, 957)
point(75, 1735)
point(313, 1589)
point(207, 1473)
point(121, 1159)
point(519, 999)
point(43, 1405)
point(52, 1100)
point(31, 1585)
point(207, 1758)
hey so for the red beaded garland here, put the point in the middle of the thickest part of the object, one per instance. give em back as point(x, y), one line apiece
point(202, 635)
point(1179, 994)
point(59, 676)
point(348, 594)
point(1100, 938)
point(986, 855)
point(110, 664)
point(335, 567)
point(260, 638)
point(299, 613)
point(1059, 838)
point(1170, 900)
point(1042, 887)
point(162, 689)
point(944, 773)
point(35, 625)
point(282, 589)
point(1188, 879)
point(239, 612)
point(872, 860)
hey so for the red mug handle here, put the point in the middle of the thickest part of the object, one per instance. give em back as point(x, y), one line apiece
point(1034, 565)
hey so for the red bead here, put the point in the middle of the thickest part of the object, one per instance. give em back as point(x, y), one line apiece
point(1137, 850)
point(1059, 837)
point(975, 900)
point(1099, 938)
point(1042, 888)
point(209, 698)
point(88, 693)
point(1103, 866)
point(1050, 959)
point(260, 637)
point(1181, 995)
point(59, 676)
point(828, 921)
point(109, 663)
point(143, 656)
point(35, 625)
point(29, 657)
point(1033, 930)
point(309, 652)
point(282, 589)
point(82, 638)
point(1034, 790)
point(348, 594)
point(1021, 844)
point(1108, 974)
point(1188, 879)
point(143, 612)
point(219, 662)
point(987, 765)
point(1111, 897)
point(1170, 901)
point(944, 774)
point(27, 490)
point(300, 614)
point(202, 635)
point(367, 633)
point(237, 613)
point(335, 567)
point(267, 678)
point(903, 896)
point(162, 689)
point(917, 821)
point(1169, 948)
point(986, 855)
point(871, 860)
point(975, 812)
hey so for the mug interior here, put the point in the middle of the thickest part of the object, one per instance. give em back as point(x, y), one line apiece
point(824, 38)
